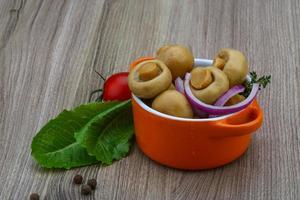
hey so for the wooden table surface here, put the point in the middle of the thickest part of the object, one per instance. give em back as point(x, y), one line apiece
point(49, 50)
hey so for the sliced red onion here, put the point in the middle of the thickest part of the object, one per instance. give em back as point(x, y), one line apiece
point(227, 95)
point(217, 110)
point(179, 85)
point(200, 114)
point(230, 93)
point(180, 88)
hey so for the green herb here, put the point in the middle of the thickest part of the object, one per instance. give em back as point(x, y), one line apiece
point(55, 145)
point(262, 81)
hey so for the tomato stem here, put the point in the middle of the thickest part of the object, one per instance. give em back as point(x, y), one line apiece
point(100, 75)
point(99, 98)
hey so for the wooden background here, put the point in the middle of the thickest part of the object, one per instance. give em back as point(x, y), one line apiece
point(49, 49)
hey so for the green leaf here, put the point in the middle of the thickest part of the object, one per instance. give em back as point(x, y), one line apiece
point(55, 146)
point(108, 135)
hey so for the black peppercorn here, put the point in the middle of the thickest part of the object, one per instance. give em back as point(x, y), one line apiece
point(93, 183)
point(77, 179)
point(86, 189)
point(34, 196)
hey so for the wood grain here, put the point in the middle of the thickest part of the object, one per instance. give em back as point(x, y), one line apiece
point(49, 49)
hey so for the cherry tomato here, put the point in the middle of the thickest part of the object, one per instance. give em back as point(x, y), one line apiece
point(116, 87)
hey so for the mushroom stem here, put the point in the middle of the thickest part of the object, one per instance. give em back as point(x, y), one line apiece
point(148, 71)
point(201, 78)
point(219, 63)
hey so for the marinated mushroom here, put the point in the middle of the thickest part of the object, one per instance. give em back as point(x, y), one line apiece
point(173, 103)
point(149, 78)
point(235, 99)
point(172, 87)
point(179, 59)
point(216, 85)
point(233, 63)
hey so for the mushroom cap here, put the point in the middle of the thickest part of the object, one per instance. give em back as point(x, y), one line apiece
point(218, 87)
point(236, 66)
point(179, 59)
point(173, 103)
point(150, 89)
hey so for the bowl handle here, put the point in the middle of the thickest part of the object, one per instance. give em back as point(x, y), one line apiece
point(243, 123)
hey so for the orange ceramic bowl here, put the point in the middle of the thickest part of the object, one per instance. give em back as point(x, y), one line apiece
point(194, 144)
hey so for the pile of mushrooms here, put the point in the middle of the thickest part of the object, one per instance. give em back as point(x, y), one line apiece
point(152, 80)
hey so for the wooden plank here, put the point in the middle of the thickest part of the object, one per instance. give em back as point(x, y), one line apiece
point(49, 49)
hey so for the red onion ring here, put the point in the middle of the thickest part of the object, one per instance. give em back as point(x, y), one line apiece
point(200, 114)
point(179, 85)
point(230, 93)
point(217, 110)
point(227, 95)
